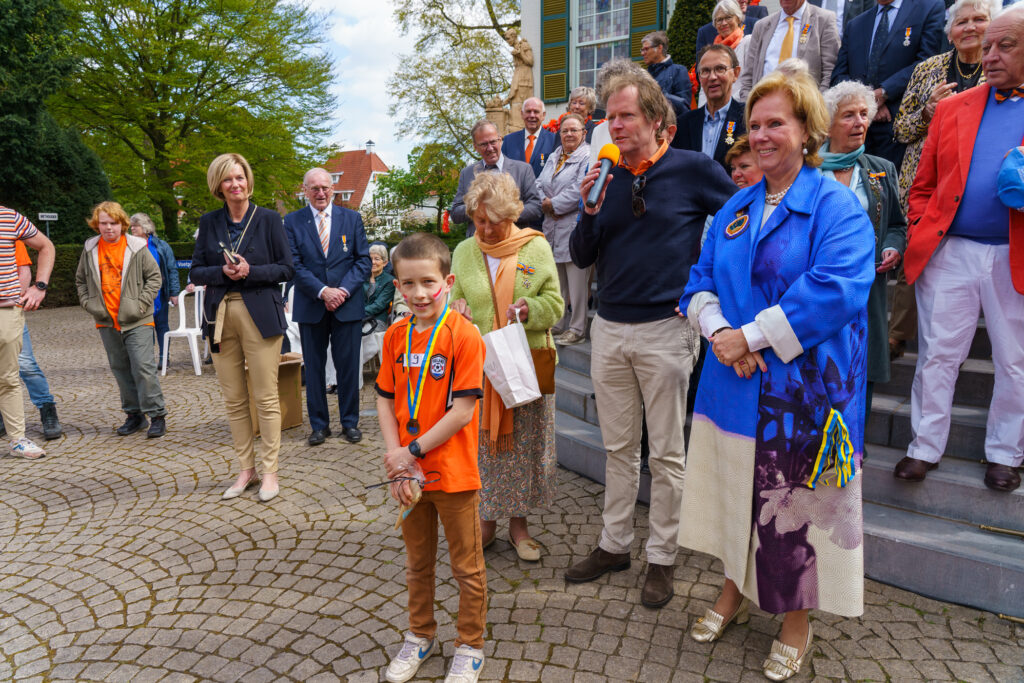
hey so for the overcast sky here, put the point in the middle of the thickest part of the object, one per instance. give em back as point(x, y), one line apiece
point(365, 44)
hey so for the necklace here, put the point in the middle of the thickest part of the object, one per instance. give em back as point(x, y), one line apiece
point(956, 61)
point(776, 197)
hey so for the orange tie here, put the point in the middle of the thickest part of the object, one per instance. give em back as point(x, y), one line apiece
point(787, 43)
point(529, 148)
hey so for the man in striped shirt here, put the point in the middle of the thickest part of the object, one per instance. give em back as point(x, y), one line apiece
point(14, 227)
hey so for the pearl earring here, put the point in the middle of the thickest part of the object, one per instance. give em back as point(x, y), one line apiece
point(805, 150)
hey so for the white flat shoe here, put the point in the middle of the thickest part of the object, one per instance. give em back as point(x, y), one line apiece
point(267, 495)
point(236, 491)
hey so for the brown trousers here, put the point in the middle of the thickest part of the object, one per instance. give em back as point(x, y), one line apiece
point(460, 515)
point(241, 343)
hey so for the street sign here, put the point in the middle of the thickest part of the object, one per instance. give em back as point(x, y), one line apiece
point(183, 263)
point(47, 216)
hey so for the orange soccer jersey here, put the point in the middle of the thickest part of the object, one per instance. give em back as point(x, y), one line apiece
point(456, 368)
point(21, 256)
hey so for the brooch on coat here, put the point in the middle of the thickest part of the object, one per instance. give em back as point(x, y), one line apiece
point(738, 225)
point(876, 188)
point(526, 271)
point(803, 33)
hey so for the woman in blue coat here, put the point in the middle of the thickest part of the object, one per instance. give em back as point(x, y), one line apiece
point(781, 290)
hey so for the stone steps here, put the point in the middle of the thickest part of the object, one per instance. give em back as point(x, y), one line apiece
point(973, 384)
point(955, 491)
point(889, 425)
point(944, 559)
point(581, 450)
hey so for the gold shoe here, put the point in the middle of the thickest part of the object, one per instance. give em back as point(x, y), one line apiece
point(783, 663)
point(710, 626)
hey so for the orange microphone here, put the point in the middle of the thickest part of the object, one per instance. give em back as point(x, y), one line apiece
point(609, 158)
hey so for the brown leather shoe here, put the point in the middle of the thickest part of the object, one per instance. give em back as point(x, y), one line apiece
point(1001, 477)
point(912, 469)
point(599, 563)
point(658, 585)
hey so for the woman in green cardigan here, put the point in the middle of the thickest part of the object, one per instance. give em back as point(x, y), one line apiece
point(515, 268)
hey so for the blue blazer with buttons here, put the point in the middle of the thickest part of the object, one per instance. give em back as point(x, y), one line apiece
point(346, 265)
point(514, 147)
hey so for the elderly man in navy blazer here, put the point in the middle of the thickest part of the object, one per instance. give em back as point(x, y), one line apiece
point(332, 260)
point(883, 55)
point(533, 144)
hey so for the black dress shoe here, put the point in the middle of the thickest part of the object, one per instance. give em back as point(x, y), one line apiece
point(1001, 477)
point(352, 434)
point(319, 436)
point(132, 424)
point(912, 469)
point(157, 428)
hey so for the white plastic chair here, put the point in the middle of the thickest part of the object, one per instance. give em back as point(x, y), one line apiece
point(193, 334)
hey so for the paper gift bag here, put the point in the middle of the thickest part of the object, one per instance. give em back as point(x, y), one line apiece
point(509, 365)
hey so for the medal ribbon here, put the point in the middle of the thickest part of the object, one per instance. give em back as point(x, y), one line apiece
point(414, 399)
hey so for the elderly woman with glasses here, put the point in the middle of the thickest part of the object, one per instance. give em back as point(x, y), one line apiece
point(142, 226)
point(933, 80)
point(852, 107)
point(559, 187)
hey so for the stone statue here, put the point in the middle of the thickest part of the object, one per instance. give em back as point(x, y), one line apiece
point(522, 79)
point(497, 114)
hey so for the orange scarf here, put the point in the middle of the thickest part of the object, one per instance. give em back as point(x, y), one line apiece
point(732, 40)
point(496, 425)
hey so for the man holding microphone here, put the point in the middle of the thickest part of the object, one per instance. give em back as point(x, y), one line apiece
point(643, 232)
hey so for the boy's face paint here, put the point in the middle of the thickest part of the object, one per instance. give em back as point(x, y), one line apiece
point(423, 287)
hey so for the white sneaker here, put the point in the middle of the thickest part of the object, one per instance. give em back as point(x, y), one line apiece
point(406, 663)
point(26, 448)
point(466, 666)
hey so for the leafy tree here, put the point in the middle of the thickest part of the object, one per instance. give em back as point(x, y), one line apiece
point(687, 17)
point(461, 61)
point(429, 183)
point(46, 167)
point(171, 84)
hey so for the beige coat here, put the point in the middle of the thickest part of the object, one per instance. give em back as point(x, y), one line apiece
point(140, 284)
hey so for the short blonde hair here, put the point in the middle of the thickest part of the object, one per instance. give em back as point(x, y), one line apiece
point(808, 107)
point(112, 209)
point(220, 168)
point(497, 195)
point(587, 95)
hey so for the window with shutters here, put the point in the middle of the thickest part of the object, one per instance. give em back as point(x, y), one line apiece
point(602, 33)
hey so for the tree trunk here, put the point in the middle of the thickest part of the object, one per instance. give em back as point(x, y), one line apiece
point(169, 212)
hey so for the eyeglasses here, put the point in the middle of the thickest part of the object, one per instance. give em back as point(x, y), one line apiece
point(489, 143)
point(571, 131)
point(723, 20)
point(319, 189)
point(639, 206)
point(718, 70)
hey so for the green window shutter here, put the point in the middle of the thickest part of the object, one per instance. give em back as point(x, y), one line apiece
point(554, 51)
point(644, 16)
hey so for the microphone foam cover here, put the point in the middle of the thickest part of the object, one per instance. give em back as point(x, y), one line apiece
point(610, 152)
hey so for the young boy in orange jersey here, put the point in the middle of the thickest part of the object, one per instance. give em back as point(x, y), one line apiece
point(430, 381)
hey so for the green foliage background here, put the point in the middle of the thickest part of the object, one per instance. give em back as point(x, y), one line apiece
point(687, 17)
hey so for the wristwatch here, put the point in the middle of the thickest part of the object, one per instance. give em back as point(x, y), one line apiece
point(414, 448)
point(40, 285)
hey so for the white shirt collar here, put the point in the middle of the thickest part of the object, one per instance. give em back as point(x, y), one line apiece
point(316, 213)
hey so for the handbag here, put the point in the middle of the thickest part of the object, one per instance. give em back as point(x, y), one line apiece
point(544, 360)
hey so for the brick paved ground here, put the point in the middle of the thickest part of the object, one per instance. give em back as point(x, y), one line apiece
point(119, 562)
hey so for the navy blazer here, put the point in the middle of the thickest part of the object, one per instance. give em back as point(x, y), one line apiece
point(690, 132)
point(346, 265)
point(514, 147)
point(265, 246)
point(707, 33)
point(925, 20)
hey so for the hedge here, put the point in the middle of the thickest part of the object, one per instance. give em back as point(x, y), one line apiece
point(62, 291)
